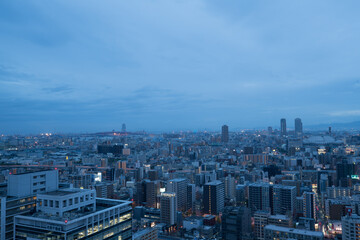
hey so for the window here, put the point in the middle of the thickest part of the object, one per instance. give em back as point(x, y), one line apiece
point(64, 203)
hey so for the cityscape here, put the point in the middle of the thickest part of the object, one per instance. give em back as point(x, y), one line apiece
point(179, 120)
point(278, 183)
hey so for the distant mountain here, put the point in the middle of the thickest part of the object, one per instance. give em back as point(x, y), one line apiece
point(335, 126)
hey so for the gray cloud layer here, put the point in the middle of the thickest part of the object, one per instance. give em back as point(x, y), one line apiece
point(163, 65)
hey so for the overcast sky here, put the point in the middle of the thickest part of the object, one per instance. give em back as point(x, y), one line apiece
point(86, 66)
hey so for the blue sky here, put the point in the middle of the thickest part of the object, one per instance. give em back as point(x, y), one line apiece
point(85, 66)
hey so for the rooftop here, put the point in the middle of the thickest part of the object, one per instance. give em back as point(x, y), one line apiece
point(294, 230)
point(101, 204)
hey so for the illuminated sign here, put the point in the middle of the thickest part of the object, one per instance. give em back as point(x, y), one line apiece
point(355, 177)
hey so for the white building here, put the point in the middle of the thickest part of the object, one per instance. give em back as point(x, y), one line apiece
point(74, 214)
point(283, 233)
point(350, 227)
point(27, 184)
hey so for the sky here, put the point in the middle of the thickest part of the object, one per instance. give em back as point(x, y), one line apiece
point(161, 65)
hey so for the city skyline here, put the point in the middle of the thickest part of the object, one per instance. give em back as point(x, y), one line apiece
point(162, 66)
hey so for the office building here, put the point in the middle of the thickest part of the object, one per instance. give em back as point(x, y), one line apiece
point(260, 221)
point(152, 190)
point(74, 214)
point(298, 127)
point(350, 226)
point(284, 200)
point(150, 233)
point(283, 233)
point(236, 223)
point(283, 131)
point(21, 197)
point(26, 184)
point(230, 187)
point(168, 208)
point(104, 190)
point(214, 197)
point(224, 134)
point(260, 197)
point(191, 194)
point(309, 205)
point(178, 186)
point(280, 220)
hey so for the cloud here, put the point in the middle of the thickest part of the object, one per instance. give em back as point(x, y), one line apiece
point(168, 64)
point(345, 113)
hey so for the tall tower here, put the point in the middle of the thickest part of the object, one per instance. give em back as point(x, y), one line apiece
point(123, 128)
point(283, 127)
point(224, 134)
point(168, 208)
point(284, 198)
point(214, 197)
point(309, 205)
point(298, 127)
point(178, 186)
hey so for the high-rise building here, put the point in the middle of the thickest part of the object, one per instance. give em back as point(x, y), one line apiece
point(260, 197)
point(152, 192)
point(350, 226)
point(168, 208)
point(240, 194)
point(123, 127)
point(283, 127)
point(104, 190)
point(284, 199)
point(230, 187)
point(260, 221)
point(298, 127)
point(343, 171)
point(224, 134)
point(214, 197)
point(309, 205)
point(178, 186)
point(236, 223)
point(191, 194)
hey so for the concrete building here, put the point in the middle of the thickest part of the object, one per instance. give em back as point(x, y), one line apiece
point(179, 187)
point(168, 208)
point(283, 127)
point(283, 233)
point(224, 134)
point(146, 234)
point(230, 187)
point(309, 205)
point(350, 227)
point(298, 127)
point(236, 223)
point(104, 190)
point(284, 199)
point(74, 214)
point(214, 197)
point(27, 184)
point(260, 197)
point(21, 197)
point(260, 221)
